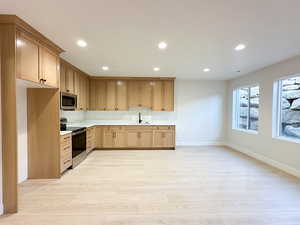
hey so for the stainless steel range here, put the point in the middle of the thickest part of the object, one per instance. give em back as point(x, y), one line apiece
point(78, 144)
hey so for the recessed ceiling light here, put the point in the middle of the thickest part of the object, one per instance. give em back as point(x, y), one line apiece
point(206, 70)
point(240, 47)
point(156, 69)
point(105, 68)
point(162, 45)
point(81, 43)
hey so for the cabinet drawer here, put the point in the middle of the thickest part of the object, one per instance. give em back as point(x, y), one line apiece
point(64, 164)
point(64, 149)
point(139, 128)
point(66, 140)
point(165, 128)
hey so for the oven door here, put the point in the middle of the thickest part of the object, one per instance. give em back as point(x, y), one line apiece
point(68, 101)
point(78, 142)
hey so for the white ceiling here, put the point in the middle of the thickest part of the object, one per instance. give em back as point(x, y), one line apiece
point(200, 33)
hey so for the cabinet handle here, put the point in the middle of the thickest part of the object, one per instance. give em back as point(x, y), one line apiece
point(67, 161)
point(163, 109)
point(116, 109)
point(68, 90)
point(140, 105)
point(44, 80)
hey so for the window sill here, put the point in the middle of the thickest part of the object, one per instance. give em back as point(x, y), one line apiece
point(246, 131)
point(288, 139)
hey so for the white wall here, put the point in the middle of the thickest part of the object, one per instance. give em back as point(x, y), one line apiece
point(200, 112)
point(22, 132)
point(280, 153)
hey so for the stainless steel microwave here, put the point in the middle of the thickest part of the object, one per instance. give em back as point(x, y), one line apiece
point(68, 101)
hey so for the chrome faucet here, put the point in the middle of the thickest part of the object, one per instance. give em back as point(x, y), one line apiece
point(140, 118)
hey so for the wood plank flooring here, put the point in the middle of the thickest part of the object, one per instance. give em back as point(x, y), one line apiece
point(189, 186)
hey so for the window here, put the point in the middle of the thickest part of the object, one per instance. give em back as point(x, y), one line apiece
point(288, 117)
point(246, 108)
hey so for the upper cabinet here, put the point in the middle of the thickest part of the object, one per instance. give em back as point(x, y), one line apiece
point(163, 95)
point(122, 94)
point(36, 62)
point(140, 93)
point(74, 81)
point(49, 68)
point(27, 58)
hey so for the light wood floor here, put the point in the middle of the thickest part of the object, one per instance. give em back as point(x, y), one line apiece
point(189, 186)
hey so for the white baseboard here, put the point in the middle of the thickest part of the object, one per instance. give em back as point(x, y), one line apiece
point(200, 143)
point(265, 159)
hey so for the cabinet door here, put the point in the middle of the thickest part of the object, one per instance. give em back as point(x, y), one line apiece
point(132, 138)
point(111, 96)
point(87, 93)
point(146, 139)
point(49, 67)
point(120, 139)
point(133, 94)
point(70, 80)
point(101, 94)
point(157, 104)
point(27, 59)
point(99, 137)
point(63, 78)
point(146, 94)
point(168, 96)
point(77, 89)
point(93, 94)
point(158, 139)
point(168, 139)
point(121, 101)
point(108, 138)
point(82, 89)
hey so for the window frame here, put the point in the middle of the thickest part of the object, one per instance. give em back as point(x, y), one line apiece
point(277, 110)
point(236, 108)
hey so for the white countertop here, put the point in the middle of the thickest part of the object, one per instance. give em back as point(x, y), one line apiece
point(65, 132)
point(89, 123)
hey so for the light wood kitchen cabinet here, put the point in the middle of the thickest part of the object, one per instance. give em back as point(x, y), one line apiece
point(99, 137)
point(163, 96)
point(108, 94)
point(114, 137)
point(87, 93)
point(97, 96)
point(90, 139)
point(116, 95)
point(65, 152)
point(35, 62)
point(121, 96)
point(164, 137)
point(27, 58)
point(111, 96)
point(140, 94)
point(63, 75)
point(135, 137)
point(146, 139)
point(69, 80)
point(49, 67)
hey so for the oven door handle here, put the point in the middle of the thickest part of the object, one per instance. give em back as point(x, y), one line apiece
point(78, 132)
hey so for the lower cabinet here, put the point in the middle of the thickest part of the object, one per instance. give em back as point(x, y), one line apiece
point(135, 137)
point(114, 137)
point(90, 139)
point(65, 152)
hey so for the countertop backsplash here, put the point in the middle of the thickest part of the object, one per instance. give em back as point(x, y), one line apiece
point(131, 115)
